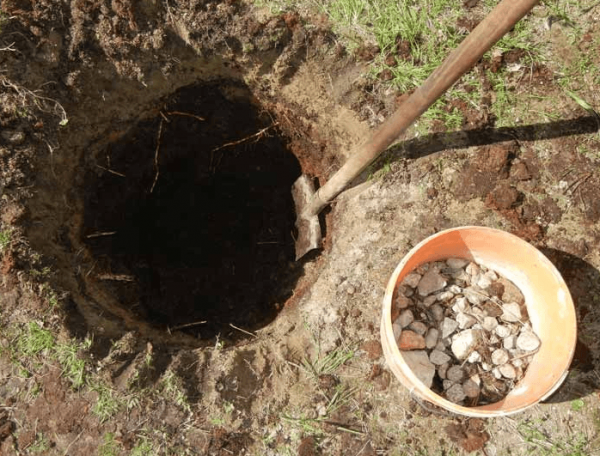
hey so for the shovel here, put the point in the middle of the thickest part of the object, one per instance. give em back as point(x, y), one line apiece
point(309, 203)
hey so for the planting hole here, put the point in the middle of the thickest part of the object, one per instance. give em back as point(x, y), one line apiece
point(190, 217)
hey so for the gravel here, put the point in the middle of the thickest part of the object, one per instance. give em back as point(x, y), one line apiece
point(466, 325)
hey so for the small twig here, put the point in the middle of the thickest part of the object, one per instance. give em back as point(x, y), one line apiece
point(158, 137)
point(117, 277)
point(164, 117)
point(186, 114)
point(70, 444)
point(247, 138)
point(9, 48)
point(111, 171)
point(242, 330)
point(579, 182)
point(187, 325)
point(100, 234)
point(525, 355)
point(343, 428)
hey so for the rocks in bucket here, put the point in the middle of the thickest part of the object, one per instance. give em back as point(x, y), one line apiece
point(464, 330)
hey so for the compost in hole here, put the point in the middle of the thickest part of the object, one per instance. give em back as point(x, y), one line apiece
point(190, 216)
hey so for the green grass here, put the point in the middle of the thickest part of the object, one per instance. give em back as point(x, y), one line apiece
point(109, 446)
point(108, 403)
point(40, 445)
point(143, 448)
point(541, 442)
point(5, 238)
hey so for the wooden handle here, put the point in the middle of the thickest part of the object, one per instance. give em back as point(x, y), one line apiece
point(500, 20)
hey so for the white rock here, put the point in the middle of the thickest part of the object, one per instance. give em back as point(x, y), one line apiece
point(528, 341)
point(431, 338)
point(511, 312)
point(397, 331)
point(486, 367)
point(455, 289)
point(509, 342)
point(483, 281)
point(478, 313)
point(496, 373)
point(475, 296)
point(460, 305)
point(438, 357)
point(411, 280)
point(444, 296)
point(419, 327)
point(405, 318)
point(502, 331)
point(431, 282)
point(472, 269)
point(507, 371)
point(419, 363)
point(471, 389)
point(492, 275)
point(476, 379)
point(474, 357)
point(489, 323)
point(429, 300)
point(448, 327)
point(464, 343)
point(499, 357)
point(455, 393)
point(494, 339)
point(456, 263)
point(442, 370)
point(437, 312)
point(517, 362)
point(455, 374)
point(465, 321)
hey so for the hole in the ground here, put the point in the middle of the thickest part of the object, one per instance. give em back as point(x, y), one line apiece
point(190, 216)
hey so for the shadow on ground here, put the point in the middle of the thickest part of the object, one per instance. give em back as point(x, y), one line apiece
point(583, 281)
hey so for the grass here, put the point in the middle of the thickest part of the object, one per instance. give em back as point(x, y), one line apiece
point(40, 445)
point(5, 238)
point(143, 448)
point(540, 442)
point(107, 404)
point(172, 387)
point(109, 446)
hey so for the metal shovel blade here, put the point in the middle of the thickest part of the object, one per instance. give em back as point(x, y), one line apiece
point(307, 224)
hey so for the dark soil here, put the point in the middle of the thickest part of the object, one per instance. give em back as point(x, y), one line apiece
point(201, 212)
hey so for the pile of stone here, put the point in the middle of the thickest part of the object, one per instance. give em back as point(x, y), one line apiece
point(464, 330)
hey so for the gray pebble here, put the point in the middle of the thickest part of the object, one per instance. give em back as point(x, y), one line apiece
point(455, 374)
point(455, 394)
point(397, 331)
point(448, 327)
point(442, 370)
point(471, 389)
point(431, 338)
point(419, 363)
point(456, 263)
point(438, 357)
point(419, 327)
point(405, 318)
point(437, 312)
point(429, 300)
point(411, 280)
point(431, 282)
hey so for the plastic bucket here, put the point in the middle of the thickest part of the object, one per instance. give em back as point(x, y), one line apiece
point(548, 301)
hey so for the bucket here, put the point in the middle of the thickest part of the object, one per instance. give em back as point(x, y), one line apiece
point(548, 301)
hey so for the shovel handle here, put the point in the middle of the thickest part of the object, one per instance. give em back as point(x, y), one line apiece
point(500, 20)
